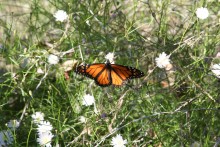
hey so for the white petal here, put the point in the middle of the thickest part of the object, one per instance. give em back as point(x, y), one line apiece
point(202, 13)
point(52, 59)
point(60, 15)
point(88, 100)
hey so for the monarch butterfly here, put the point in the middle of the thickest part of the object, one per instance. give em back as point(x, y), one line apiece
point(106, 74)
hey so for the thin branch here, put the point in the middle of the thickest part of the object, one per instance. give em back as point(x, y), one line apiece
point(149, 116)
point(198, 86)
point(120, 102)
point(28, 102)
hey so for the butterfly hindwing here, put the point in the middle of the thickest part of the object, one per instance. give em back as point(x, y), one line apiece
point(104, 78)
point(116, 79)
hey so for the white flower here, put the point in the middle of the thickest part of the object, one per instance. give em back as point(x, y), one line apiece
point(60, 15)
point(196, 144)
point(202, 13)
point(82, 119)
point(13, 124)
point(88, 100)
point(40, 71)
point(110, 57)
point(44, 127)
point(37, 117)
point(52, 59)
point(216, 70)
point(45, 139)
point(6, 138)
point(118, 141)
point(163, 60)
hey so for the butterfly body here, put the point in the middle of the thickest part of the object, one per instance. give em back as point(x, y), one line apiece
point(106, 74)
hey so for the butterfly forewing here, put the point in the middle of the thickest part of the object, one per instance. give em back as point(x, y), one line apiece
point(97, 72)
point(90, 71)
point(94, 69)
point(127, 72)
point(122, 71)
point(135, 73)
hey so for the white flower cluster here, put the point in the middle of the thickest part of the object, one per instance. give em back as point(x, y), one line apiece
point(6, 136)
point(118, 141)
point(60, 15)
point(202, 13)
point(53, 59)
point(43, 128)
point(111, 57)
point(163, 60)
point(88, 100)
